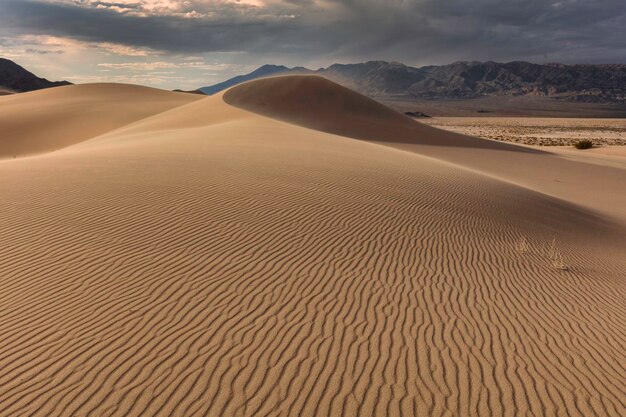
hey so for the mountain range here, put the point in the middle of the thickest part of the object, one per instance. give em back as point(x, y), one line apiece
point(593, 84)
point(15, 79)
point(462, 80)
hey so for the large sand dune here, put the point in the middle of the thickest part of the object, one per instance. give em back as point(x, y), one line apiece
point(209, 261)
point(317, 103)
point(46, 120)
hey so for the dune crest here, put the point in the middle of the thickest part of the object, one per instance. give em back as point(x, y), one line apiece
point(48, 120)
point(317, 103)
point(320, 104)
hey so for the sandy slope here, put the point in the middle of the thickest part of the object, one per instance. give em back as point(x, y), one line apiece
point(209, 261)
point(47, 120)
point(321, 104)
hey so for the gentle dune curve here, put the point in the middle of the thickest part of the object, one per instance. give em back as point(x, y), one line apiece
point(317, 103)
point(208, 261)
point(47, 120)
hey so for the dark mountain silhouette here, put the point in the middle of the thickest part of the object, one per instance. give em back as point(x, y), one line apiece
point(14, 78)
point(461, 80)
point(260, 72)
point(591, 83)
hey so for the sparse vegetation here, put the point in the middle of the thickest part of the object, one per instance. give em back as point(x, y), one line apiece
point(551, 250)
point(556, 259)
point(538, 131)
point(583, 144)
point(522, 245)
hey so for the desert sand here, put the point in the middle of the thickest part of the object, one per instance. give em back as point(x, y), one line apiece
point(539, 131)
point(291, 248)
point(51, 119)
point(514, 106)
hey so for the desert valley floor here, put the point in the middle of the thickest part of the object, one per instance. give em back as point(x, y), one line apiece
point(291, 248)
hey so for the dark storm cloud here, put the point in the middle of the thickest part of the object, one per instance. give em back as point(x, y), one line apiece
point(568, 30)
point(167, 33)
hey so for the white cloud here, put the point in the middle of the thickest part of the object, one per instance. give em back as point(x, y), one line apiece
point(150, 66)
point(65, 44)
point(123, 50)
point(179, 8)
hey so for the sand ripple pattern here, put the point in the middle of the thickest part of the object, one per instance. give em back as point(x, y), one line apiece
point(223, 275)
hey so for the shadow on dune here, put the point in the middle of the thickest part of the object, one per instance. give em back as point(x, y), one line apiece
point(317, 103)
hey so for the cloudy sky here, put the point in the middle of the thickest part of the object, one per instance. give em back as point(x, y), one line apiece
point(192, 43)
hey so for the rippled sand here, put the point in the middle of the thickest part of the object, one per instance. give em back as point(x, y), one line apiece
point(237, 255)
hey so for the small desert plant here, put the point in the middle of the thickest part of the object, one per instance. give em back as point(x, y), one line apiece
point(522, 245)
point(583, 144)
point(556, 259)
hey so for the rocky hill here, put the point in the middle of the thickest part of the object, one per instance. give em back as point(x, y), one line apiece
point(591, 83)
point(461, 80)
point(14, 78)
point(264, 71)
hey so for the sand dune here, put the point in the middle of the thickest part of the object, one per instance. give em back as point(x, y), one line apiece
point(208, 261)
point(320, 104)
point(51, 119)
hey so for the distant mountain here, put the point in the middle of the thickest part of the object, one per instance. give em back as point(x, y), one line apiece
point(460, 80)
point(375, 77)
point(14, 78)
point(591, 83)
point(260, 72)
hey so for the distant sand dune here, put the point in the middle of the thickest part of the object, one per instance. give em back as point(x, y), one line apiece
point(207, 261)
point(51, 119)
